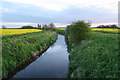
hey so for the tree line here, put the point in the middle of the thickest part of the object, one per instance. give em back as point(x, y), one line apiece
point(107, 26)
point(51, 26)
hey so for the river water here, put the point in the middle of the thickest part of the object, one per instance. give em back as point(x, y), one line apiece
point(51, 64)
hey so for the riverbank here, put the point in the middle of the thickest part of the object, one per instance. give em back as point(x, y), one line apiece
point(19, 49)
point(94, 57)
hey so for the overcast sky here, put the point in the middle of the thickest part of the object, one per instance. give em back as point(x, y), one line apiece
point(16, 13)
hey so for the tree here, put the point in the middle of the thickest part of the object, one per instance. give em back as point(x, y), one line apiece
point(114, 26)
point(78, 31)
point(39, 26)
point(52, 26)
point(100, 26)
point(46, 27)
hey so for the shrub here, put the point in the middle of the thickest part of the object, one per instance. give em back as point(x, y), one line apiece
point(78, 31)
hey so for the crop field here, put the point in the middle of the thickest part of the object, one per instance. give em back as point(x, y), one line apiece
point(92, 57)
point(100, 29)
point(105, 29)
point(17, 31)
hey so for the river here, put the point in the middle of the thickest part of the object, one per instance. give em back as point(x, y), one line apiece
point(53, 63)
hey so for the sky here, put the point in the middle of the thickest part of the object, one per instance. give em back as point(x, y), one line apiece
point(17, 13)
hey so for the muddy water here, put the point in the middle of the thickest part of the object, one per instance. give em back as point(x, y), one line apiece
point(51, 64)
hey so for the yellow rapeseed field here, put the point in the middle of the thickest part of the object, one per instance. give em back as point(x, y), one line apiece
point(106, 29)
point(17, 31)
point(100, 29)
point(23, 31)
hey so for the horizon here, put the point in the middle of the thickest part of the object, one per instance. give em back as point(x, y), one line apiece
point(19, 25)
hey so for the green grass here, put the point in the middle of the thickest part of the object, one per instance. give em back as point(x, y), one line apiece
point(18, 49)
point(95, 57)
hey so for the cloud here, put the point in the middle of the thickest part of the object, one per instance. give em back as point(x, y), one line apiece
point(59, 5)
point(28, 23)
point(60, 24)
point(97, 24)
point(16, 23)
point(58, 11)
point(20, 24)
point(46, 4)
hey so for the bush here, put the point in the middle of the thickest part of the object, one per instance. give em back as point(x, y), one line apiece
point(78, 31)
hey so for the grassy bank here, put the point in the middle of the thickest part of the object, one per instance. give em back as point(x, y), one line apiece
point(17, 50)
point(94, 57)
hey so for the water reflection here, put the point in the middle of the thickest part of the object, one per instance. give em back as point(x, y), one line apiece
point(51, 64)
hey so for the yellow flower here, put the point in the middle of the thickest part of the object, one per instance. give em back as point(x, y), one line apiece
point(106, 29)
point(17, 31)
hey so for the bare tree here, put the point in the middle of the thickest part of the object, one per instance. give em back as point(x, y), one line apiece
point(39, 26)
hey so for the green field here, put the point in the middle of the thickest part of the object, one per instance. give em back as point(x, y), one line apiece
point(95, 57)
point(18, 49)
